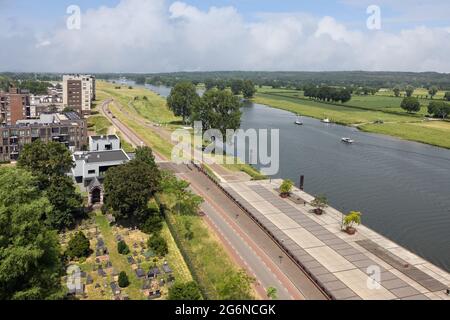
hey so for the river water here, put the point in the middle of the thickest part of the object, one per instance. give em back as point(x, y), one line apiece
point(401, 187)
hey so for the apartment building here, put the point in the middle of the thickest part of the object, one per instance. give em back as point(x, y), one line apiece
point(79, 92)
point(14, 106)
point(66, 128)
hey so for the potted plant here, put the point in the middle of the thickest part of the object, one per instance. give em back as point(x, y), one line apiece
point(286, 188)
point(353, 218)
point(319, 203)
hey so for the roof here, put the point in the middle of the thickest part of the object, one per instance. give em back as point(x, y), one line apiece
point(110, 137)
point(95, 183)
point(102, 156)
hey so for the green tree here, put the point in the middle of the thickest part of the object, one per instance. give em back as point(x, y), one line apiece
point(145, 154)
point(78, 246)
point(66, 201)
point(209, 84)
point(396, 91)
point(447, 96)
point(129, 187)
point(432, 91)
point(122, 247)
point(409, 91)
point(185, 291)
point(153, 224)
point(182, 98)
point(272, 293)
point(218, 110)
point(123, 280)
point(158, 244)
point(236, 285)
point(237, 86)
point(248, 89)
point(410, 104)
point(30, 259)
point(46, 160)
point(320, 203)
point(439, 109)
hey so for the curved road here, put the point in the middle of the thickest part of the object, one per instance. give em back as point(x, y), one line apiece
point(245, 242)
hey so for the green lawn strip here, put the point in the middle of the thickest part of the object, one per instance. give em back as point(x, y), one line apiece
point(99, 124)
point(412, 131)
point(126, 146)
point(205, 252)
point(119, 261)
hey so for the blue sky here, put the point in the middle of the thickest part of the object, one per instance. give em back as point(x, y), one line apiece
point(168, 35)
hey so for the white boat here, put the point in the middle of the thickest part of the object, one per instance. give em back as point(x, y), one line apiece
point(299, 121)
point(348, 140)
point(326, 120)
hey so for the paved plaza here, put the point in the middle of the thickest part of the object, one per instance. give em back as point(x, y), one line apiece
point(341, 263)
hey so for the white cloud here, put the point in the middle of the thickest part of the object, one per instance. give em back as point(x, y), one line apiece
point(155, 36)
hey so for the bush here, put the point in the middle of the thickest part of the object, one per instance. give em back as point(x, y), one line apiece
point(123, 248)
point(152, 225)
point(123, 280)
point(185, 291)
point(78, 246)
point(158, 244)
point(286, 187)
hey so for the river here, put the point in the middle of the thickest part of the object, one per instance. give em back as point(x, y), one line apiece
point(401, 187)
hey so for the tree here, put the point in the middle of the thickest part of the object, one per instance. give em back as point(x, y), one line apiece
point(320, 203)
point(78, 246)
point(432, 91)
point(353, 218)
point(158, 244)
point(396, 91)
point(235, 285)
point(439, 109)
point(209, 84)
point(447, 96)
point(30, 259)
point(145, 154)
point(409, 91)
point(185, 291)
point(189, 234)
point(218, 110)
point(66, 202)
point(123, 280)
point(236, 87)
point(272, 293)
point(177, 196)
point(182, 98)
point(129, 187)
point(122, 247)
point(410, 104)
point(153, 224)
point(46, 160)
point(248, 89)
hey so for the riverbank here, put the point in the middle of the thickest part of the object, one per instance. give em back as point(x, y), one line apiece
point(393, 122)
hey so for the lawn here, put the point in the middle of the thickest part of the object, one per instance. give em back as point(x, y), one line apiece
point(205, 251)
point(436, 133)
point(99, 124)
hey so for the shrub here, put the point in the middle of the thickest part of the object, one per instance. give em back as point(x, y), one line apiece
point(158, 244)
point(152, 225)
point(185, 291)
point(123, 248)
point(123, 280)
point(286, 187)
point(78, 246)
point(354, 217)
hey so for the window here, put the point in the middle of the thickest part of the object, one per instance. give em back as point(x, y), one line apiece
point(91, 172)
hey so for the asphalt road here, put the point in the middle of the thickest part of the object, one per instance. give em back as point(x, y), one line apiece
point(243, 240)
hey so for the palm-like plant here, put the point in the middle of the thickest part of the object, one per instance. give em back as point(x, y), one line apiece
point(352, 219)
point(320, 203)
point(286, 188)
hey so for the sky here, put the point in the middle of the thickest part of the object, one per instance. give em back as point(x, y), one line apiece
point(210, 35)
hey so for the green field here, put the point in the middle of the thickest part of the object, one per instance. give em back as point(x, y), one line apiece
point(99, 124)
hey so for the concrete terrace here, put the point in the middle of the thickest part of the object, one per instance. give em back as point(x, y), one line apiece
point(338, 261)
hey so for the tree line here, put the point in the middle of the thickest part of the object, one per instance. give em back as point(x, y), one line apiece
point(330, 94)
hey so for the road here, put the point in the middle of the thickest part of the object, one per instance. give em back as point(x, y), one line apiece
point(246, 243)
